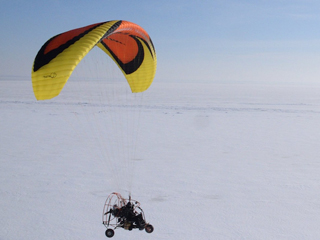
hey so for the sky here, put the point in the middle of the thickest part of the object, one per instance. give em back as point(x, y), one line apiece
point(222, 41)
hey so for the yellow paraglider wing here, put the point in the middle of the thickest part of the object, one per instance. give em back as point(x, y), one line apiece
point(58, 57)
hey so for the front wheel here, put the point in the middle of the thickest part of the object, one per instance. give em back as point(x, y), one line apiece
point(149, 228)
point(109, 233)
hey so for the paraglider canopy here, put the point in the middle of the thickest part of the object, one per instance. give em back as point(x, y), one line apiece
point(128, 44)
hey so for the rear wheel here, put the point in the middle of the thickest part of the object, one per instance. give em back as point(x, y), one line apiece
point(149, 228)
point(109, 233)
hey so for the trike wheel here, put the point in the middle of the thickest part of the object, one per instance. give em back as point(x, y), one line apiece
point(149, 228)
point(109, 233)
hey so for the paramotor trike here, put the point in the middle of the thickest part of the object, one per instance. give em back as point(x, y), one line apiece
point(119, 212)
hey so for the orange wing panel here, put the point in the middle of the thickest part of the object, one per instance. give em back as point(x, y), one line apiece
point(123, 46)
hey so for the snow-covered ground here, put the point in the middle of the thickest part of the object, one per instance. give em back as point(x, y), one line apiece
point(214, 162)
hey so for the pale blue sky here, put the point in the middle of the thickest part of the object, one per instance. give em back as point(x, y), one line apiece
point(271, 41)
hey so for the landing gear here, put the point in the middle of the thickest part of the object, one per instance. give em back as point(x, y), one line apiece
point(109, 233)
point(149, 228)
